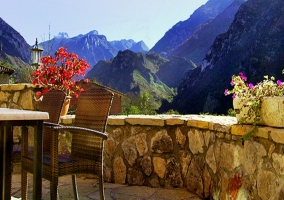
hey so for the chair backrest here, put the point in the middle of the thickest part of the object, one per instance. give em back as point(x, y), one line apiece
point(93, 109)
point(52, 103)
point(92, 112)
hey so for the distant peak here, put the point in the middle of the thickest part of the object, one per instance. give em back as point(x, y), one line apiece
point(93, 32)
point(62, 35)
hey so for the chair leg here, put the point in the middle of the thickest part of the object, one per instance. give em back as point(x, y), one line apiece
point(24, 181)
point(101, 184)
point(54, 195)
point(24, 174)
point(75, 189)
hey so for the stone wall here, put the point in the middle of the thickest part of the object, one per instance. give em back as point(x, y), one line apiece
point(205, 154)
point(18, 96)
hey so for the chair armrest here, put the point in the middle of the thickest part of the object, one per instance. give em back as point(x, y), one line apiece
point(76, 128)
point(49, 124)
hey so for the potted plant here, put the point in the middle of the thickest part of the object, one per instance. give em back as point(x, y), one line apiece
point(60, 72)
point(262, 103)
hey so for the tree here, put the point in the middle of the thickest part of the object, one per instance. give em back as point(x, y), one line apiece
point(138, 104)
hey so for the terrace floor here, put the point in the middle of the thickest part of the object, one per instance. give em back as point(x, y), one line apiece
point(88, 190)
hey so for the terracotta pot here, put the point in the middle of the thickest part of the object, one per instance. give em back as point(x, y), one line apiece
point(271, 112)
point(65, 107)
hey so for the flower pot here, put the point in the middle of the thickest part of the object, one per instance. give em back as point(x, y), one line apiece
point(271, 112)
point(65, 107)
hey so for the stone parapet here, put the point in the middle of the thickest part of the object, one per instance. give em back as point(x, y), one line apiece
point(18, 96)
point(205, 154)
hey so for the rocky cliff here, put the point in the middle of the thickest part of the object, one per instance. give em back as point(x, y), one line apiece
point(254, 45)
point(12, 43)
point(197, 45)
point(184, 29)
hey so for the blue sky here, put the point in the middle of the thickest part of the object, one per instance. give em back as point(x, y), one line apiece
point(146, 20)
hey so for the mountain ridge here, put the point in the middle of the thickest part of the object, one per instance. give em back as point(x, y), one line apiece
point(12, 43)
point(248, 46)
point(92, 46)
point(184, 29)
point(197, 45)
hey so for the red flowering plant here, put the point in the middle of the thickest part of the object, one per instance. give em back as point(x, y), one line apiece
point(61, 72)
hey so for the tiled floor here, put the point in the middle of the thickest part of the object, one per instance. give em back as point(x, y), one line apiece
point(88, 190)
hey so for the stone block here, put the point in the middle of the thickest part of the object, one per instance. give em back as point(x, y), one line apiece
point(110, 147)
point(195, 141)
point(173, 177)
point(277, 135)
point(231, 156)
point(129, 150)
point(145, 120)
point(13, 87)
point(119, 170)
point(210, 159)
point(4, 96)
point(180, 138)
point(117, 120)
point(141, 144)
point(266, 184)
point(278, 163)
point(159, 166)
point(16, 97)
point(198, 124)
point(26, 100)
point(194, 177)
point(175, 121)
point(135, 177)
point(185, 159)
point(262, 132)
point(241, 129)
point(146, 165)
point(161, 142)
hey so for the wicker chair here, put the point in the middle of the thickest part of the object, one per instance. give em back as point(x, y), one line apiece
point(52, 103)
point(86, 146)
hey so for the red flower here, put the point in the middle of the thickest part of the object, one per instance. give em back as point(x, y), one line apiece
point(60, 72)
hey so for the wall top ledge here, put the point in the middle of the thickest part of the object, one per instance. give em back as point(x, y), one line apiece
point(222, 120)
point(161, 120)
point(224, 124)
point(18, 87)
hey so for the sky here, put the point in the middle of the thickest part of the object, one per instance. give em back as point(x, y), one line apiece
point(146, 20)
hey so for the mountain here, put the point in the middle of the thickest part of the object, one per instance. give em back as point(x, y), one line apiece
point(12, 43)
point(131, 45)
point(131, 72)
point(14, 52)
point(139, 47)
point(198, 44)
point(92, 46)
point(184, 29)
point(172, 72)
point(254, 45)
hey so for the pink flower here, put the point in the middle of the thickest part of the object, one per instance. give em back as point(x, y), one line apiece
point(251, 86)
point(226, 92)
point(242, 76)
point(234, 96)
point(279, 83)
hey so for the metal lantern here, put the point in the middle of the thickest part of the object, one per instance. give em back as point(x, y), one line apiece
point(36, 52)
